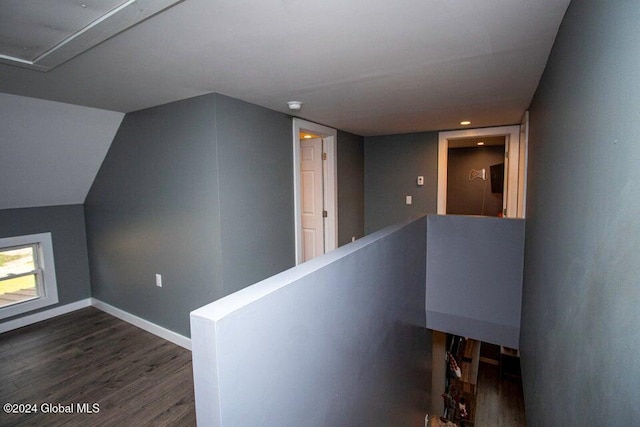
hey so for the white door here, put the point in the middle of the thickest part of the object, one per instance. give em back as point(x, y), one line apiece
point(329, 191)
point(312, 198)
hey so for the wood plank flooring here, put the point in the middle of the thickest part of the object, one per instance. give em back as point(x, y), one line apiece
point(500, 402)
point(91, 357)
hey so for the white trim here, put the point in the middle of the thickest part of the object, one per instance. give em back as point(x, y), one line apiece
point(523, 163)
point(331, 193)
point(512, 134)
point(44, 315)
point(141, 323)
point(330, 137)
point(48, 287)
point(150, 327)
point(512, 146)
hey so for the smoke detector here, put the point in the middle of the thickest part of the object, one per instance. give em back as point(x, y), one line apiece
point(294, 105)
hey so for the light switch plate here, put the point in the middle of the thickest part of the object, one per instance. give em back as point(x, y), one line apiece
point(409, 200)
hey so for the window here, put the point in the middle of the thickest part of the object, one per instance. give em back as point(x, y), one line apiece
point(27, 274)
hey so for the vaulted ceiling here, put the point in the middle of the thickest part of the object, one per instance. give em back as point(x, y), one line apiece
point(367, 66)
point(371, 67)
point(50, 151)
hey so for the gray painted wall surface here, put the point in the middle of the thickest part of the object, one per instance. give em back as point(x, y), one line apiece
point(580, 320)
point(153, 208)
point(200, 191)
point(350, 187)
point(255, 170)
point(336, 341)
point(392, 165)
point(474, 277)
point(472, 197)
point(67, 228)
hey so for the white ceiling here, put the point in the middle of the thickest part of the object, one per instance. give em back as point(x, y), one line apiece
point(42, 34)
point(371, 67)
point(28, 29)
point(50, 151)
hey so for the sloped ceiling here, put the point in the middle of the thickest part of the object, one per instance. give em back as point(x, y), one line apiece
point(50, 151)
point(371, 67)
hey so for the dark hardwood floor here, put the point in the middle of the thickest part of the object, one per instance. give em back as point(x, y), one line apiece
point(91, 357)
point(500, 401)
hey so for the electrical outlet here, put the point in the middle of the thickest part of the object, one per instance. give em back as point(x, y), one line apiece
point(159, 280)
point(409, 200)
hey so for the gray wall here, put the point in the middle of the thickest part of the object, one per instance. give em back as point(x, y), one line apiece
point(336, 341)
point(255, 170)
point(199, 191)
point(153, 208)
point(474, 277)
point(580, 321)
point(472, 197)
point(392, 165)
point(350, 187)
point(67, 227)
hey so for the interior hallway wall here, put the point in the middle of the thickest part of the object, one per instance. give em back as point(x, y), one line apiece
point(391, 167)
point(350, 187)
point(336, 341)
point(153, 208)
point(581, 296)
point(255, 176)
point(199, 191)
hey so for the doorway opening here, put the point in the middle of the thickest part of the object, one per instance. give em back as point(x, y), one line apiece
point(475, 176)
point(477, 383)
point(514, 160)
point(315, 189)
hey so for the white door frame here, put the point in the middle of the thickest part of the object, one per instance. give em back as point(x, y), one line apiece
point(330, 167)
point(523, 162)
point(512, 157)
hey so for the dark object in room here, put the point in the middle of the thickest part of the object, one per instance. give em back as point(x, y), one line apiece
point(497, 178)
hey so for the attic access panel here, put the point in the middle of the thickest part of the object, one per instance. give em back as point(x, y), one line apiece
point(42, 34)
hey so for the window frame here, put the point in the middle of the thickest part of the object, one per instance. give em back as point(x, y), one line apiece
point(45, 273)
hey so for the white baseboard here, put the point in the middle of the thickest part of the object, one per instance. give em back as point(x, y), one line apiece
point(141, 323)
point(44, 315)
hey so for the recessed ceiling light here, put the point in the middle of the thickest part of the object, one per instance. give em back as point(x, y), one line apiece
point(480, 143)
point(465, 123)
point(307, 136)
